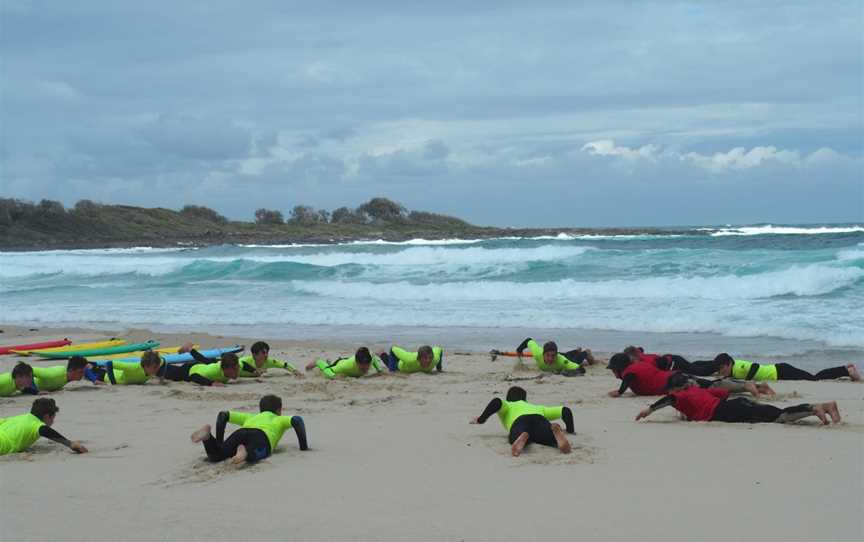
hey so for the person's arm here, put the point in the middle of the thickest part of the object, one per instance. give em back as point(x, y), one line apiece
point(221, 422)
point(668, 400)
point(279, 364)
point(300, 430)
point(50, 434)
point(664, 362)
point(325, 369)
point(523, 346)
point(249, 368)
point(567, 417)
point(736, 386)
point(751, 374)
point(493, 407)
point(440, 365)
point(201, 380)
point(626, 382)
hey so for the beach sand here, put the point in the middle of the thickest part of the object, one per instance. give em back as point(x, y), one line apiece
point(394, 458)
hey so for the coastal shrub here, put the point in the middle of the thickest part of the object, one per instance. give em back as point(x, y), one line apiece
point(344, 215)
point(382, 210)
point(304, 215)
point(268, 217)
point(203, 213)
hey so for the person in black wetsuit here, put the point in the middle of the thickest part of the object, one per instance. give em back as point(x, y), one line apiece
point(258, 436)
point(203, 370)
point(527, 422)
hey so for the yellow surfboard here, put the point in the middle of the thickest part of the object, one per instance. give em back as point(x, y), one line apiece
point(74, 348)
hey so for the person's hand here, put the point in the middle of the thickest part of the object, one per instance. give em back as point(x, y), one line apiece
point(310, 365)
point(644, 413)
point(77, 447)
point(474, 421)
point(98, 382)
point(218, 385)
point(614, 393)
point(766, 389)
point(186, 347)
point(299, 375)
point(752, 389)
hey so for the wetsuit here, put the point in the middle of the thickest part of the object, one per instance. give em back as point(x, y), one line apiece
point(259, 433)
point(673, 362)
point(404, 361)
point(646, 379)
point(123, 373)
point(19, 432)
point(749, 370)
point(248, 368)
point(519, 417)
point(346, 367)
point(203, 370)
point(567, 364)
point(713, 404)
point(50, 378)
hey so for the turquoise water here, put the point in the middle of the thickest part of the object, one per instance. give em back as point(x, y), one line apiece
point(790, 285)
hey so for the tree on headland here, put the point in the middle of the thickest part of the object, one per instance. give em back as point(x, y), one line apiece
point(382, 210)
point(205, 213)
point(344, 215)
point(305, 215)
point(268, 217)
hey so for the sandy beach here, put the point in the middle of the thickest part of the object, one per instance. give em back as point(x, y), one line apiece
point(393, 458)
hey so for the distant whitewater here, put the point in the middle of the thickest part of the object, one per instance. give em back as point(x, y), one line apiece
point(791, 282)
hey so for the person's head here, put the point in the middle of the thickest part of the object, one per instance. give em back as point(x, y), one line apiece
point(425, 355)
point(515, 393)
point(22, 375)
point(619, 362)
point(271, 403)
point(634, 352)
point(150, 362)
point(678, 381)
point(724, 364)
point(550, 352)
point(363, 358)
point(230, 365)
point(260, 352)
point(45, 409)
point(75, 368)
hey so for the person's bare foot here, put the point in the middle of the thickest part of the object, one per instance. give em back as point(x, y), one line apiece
point(819, 410)
point(519, 444)
point(201, 434)
point(561, 439)
point(833, 411)
point(310, 365)
point(853, 372)
point(239, 455)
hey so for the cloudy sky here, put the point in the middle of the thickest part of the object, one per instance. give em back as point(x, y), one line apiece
point(505, 113)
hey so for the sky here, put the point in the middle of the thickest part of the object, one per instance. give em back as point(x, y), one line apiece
point(502, 113)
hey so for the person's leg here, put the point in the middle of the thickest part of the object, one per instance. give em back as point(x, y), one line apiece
point(788, 372)
point(519, 436)
point(211, 446)
point(390, 360)
point(743, 410)
point(535, 428)
point(678, 363)
point(175, 373)
point(249, 445)
point(797, 412)
point(833, 373)
point(561, 439)
point(703, 368)
point(577, 356)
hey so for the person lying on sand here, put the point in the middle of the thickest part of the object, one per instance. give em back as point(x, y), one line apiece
point(425, 359)
point(47, 379)
point(203, 371)
point(356, 366)
point(126, 373)
point(255, 364)
point(19, 432)
point(673, 362)
point(258, 436)
point(527, 422)
point(646, 379)
point(548, 358)
point(713, 404)
point(749, 370)
point(20, 380)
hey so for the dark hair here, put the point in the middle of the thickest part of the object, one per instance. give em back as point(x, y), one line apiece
point(550, 347)
point(150, 357)
point(228, 360)
point(676, 380)
point(363, 356)
point(516, 393)
point(259, 347)
point(724, 359)
point(425, 350)
point(75, 363)
point(619, 362)
point(44, 406)
point(270, 403)
point(22, 369)
point(633, 351)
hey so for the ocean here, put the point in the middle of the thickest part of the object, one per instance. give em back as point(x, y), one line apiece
point(788, 292)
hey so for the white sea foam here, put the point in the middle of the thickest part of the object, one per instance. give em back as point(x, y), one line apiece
point(768, 229)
